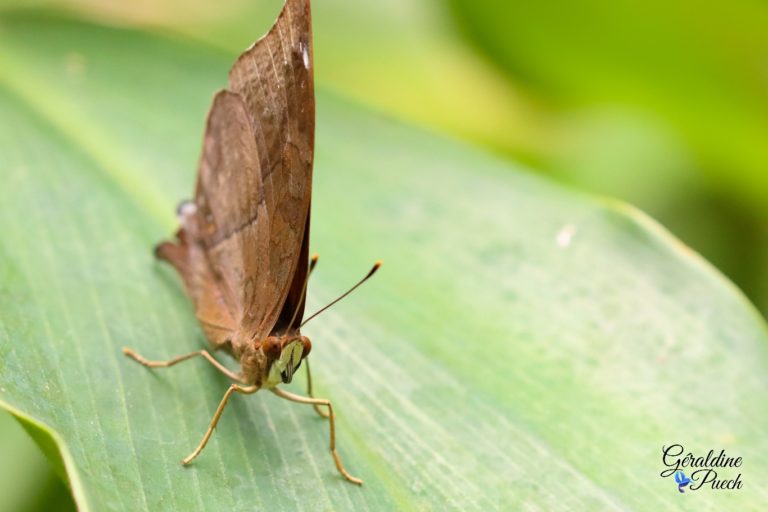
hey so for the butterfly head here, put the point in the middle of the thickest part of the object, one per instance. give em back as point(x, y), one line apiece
point(284, 356)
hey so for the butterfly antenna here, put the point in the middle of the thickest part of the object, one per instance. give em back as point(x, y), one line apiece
point(303, 295)
point(376, 267)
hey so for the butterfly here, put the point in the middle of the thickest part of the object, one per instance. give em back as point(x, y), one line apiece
point(681, 479)
point(242, 250)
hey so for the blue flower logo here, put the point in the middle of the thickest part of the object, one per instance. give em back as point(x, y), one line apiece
point(681, 480)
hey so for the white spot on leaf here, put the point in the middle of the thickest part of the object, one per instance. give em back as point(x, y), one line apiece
point(565, 236)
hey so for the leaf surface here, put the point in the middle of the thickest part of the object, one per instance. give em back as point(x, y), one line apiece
point(524, 347)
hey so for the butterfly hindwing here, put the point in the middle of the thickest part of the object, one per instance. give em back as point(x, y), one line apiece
point(232, 217)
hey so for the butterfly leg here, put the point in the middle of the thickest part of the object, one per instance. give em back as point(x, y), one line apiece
point(165, 364)
point(317, 408)
point(325, 403)
point(246, 390)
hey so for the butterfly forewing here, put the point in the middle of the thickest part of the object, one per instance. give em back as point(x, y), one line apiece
point(274, 77)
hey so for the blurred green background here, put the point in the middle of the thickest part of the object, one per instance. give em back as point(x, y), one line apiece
point(661, 104)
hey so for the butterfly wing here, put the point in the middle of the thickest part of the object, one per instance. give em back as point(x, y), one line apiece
point(232, 221)
point(275, 79)
point(293, 308)
point(224, 232)
point(242, 249)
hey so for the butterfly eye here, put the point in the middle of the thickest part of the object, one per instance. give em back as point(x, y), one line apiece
point(271, 347)
point(307, 346)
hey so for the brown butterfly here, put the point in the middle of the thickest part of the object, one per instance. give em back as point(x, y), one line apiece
point(243, 246)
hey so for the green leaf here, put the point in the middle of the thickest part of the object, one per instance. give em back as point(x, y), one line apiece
point(524, 347)
point(662, 104)
point(27, 483)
